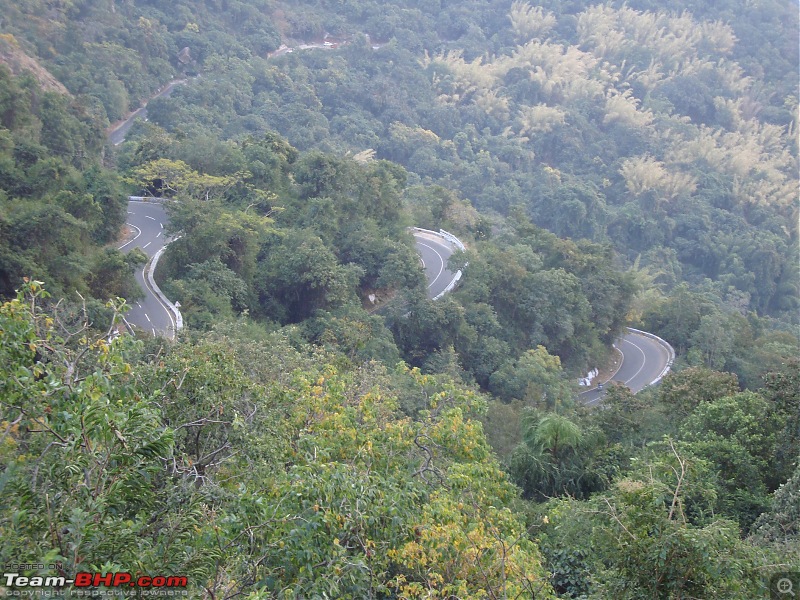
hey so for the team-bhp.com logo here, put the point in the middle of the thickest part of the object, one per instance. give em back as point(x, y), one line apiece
point(87, 581)
point(119, 579)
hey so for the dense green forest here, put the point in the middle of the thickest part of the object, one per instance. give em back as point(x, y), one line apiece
point(59, 206)
point(685, 162)
point(606, 165)
point(256, 464)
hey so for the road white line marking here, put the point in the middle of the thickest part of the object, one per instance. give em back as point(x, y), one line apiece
point(441, 260)
point(151, 218)
point(139, 304)
point(147, 286)
point(152, 292)
point(134, 239)
point(148, 318)
point(146, 245)
point(154, 332)
point(159, 235)
point(131, 213)
point(644, 359)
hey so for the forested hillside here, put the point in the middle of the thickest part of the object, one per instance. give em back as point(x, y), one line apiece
point(321, 427)
point(636, 127)
point(676, 145)
point(58, 205)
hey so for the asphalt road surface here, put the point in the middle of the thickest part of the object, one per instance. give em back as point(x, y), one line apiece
point(117, 135)
point(643, 360)
point(149, 314)
point(434, 253)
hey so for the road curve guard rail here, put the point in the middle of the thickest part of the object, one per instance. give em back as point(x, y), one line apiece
point(664, 344)
point(152, 267)
point(172, 308)
point(449, 237)
point(452, 239)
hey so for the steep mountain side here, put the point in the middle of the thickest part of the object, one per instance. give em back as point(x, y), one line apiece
point(59, 207)
point(605, 165)
point(18, 62)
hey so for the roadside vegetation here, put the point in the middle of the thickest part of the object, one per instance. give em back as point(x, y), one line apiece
point(606, 165)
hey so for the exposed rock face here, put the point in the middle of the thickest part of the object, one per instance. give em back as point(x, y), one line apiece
point(14, 57)
point(184, 56)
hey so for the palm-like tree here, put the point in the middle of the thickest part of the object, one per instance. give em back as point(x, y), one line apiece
point(547, 464)
point(552, 433)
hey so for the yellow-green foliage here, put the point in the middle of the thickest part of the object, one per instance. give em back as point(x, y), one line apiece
point(254, 468)
point(605, 63)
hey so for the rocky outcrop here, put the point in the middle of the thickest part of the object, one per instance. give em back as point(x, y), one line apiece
point(185, 56)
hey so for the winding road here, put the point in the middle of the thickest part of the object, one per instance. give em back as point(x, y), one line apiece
point(434, 253)
point(644, 361)
point(116, 134)
point(645, 358)
point(150, 314)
